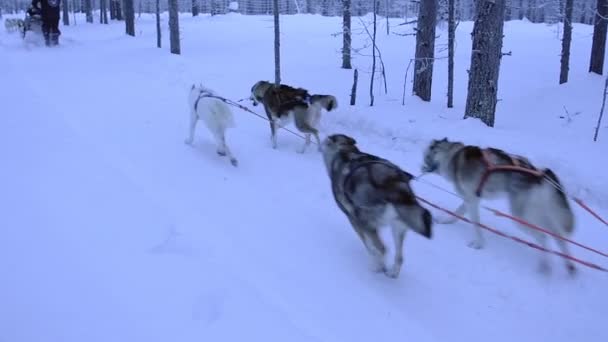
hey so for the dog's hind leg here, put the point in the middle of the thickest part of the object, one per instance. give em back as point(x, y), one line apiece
point(376, 249)
point(222, 147)
point(305, 127)
point(524, 210)
point(398, 229)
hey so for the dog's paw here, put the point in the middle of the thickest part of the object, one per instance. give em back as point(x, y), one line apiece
point(393, 272)
point(188, 141)
point(476, 244)
point(234, 162)
point(221, 153)
point(572, 270)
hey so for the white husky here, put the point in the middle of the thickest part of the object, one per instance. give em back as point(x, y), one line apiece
point(217, 116)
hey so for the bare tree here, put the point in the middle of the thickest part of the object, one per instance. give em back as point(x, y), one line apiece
point(129, 17)
point(600, 29)
point(346, 34)
point(277, 44)
point(103, 11)
point(425, 49)
point(485, 61)
point(451, 38)
point(88, 10)
point(195, 9)
point(174, 27)
point(566, 40)
point(371, 83)
point(599, 119)
point(158, 30)
point(65, 7)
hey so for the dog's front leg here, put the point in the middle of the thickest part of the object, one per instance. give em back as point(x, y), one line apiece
point(473, 207)
point(452, 219)
point(193, 121)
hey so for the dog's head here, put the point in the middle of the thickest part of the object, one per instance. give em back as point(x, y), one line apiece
point(258, 90)
point(338, 142)
point(435, 154)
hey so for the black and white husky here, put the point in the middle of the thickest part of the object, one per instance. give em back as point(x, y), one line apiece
point(534, 195)
point(373, 192)
point(286, 104)
point(215, 113)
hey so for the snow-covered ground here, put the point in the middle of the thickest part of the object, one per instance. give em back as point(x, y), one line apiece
point(114, 230)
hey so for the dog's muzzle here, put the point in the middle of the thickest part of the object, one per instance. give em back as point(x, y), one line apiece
point(429, 167)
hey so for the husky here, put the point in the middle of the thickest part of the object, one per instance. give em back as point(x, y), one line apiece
point(286, 104)
point(534, 195)
point(206, 106)
point(373, 192)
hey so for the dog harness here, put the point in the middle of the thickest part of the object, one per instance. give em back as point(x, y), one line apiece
point(492, 167)
point(201, 94)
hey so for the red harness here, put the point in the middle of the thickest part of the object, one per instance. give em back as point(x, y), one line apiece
point(492, 167)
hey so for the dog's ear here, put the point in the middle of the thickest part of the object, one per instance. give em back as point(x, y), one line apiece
point(444, 139)
point(351, 141)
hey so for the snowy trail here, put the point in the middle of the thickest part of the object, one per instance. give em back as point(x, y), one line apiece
point(153, 240)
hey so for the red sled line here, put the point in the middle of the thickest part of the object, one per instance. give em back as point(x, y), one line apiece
point(529, 244)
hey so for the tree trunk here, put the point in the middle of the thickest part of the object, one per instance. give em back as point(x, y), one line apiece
point(451, 38)
point(566, 40)
point(129, 17)
point(521, 9)
point(174, 27)
point(277, 44)
point(346, 35)
point(158, 30)
point(598, 48)
point(112, 10)
point(371, 83)
point(195, 9)
point(88, 10)
point(485, 61)
point(508, 6)
point(425, 49)
point(103, 11)
point(118, 10)
point(65, 7)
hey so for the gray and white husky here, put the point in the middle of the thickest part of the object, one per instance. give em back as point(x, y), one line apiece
point(373, 192)
point(286, 104)
point(206, 106)
point(534, 195)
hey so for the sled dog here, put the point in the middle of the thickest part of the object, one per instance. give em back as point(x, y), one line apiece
point(534, 195)
point(216, 114)
point(287, 104)
point(12, 25)
point(373, 192)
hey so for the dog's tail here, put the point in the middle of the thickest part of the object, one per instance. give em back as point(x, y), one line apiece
point(411, 212)
point(564, 213)
point(328, 102)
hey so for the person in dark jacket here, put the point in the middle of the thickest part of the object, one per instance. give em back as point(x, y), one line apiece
point(49, 10)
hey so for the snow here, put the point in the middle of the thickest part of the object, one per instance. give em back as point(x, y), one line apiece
point(114, 230)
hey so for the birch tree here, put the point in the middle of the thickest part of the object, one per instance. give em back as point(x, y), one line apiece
point(158, 29)
point(485, 61)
